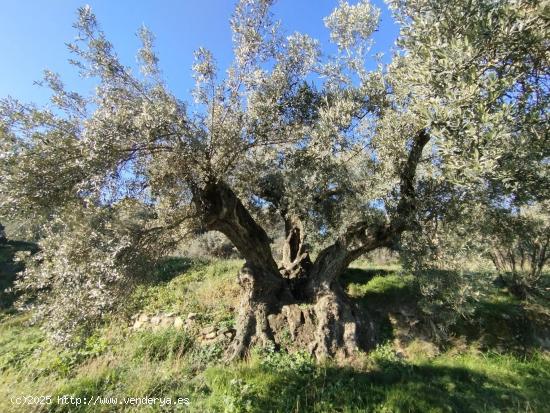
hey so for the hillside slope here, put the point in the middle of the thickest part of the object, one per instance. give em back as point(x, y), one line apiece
point(494, 362)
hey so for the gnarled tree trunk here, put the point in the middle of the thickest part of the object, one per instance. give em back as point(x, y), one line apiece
point(298, 303)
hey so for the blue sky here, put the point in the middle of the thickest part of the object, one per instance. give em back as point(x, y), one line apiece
point(33, 34)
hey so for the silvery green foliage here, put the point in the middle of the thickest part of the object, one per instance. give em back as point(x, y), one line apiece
point(350, 25)
point(519, 245)
point(472, 76)
point(479, 71)
point(447, 256)
point(209, 245)
point(450, 295)
point(89, 259)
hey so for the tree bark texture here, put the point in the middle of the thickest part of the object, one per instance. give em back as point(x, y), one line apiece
point(300, 304)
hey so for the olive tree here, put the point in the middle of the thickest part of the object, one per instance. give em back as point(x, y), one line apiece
point(350, 159)
point(519, 247)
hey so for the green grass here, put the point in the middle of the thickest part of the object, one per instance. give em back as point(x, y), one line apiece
point(380, 287)
point(166, 344)
point(206, 288)
point(116, 362)
point(450, 383)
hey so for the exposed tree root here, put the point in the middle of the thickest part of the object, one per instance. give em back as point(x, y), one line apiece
point(327, 325)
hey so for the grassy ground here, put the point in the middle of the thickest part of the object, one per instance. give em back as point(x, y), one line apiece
point(477, 375)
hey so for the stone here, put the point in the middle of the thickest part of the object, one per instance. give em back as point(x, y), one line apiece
point(208, 330)
point(210, 341)
point(178, 323)
point(137, 325)
point(155, 320)
point(223, 330)
point(210, 336)
point(143, 318)
point(166, 322)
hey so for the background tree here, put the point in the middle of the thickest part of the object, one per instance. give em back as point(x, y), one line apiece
point(519, 247)
point(349, 161)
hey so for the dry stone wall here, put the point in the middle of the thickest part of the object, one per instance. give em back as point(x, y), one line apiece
point(154, 322)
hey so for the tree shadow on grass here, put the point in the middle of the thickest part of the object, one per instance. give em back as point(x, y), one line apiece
point(376, 289)
point(168, 268)
point(9, 269)
point(395, 387)
point(380, 292)
point(362, 276)
point(505, 327)
point(500, 323)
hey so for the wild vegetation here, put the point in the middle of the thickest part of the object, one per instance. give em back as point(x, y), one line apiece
point(295, 165)
point(492, 362)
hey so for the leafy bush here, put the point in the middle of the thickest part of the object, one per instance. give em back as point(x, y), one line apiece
point(74, 283)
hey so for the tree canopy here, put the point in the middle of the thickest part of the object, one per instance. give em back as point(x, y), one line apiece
point(349, 159)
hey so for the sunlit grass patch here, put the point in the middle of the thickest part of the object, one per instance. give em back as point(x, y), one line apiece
point(380, 287)
point(468, 383)
point(118, 362)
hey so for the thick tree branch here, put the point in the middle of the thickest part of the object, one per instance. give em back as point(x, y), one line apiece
point(402, 218)
point(364, 236)
point(221, 210)
point(295, 257)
